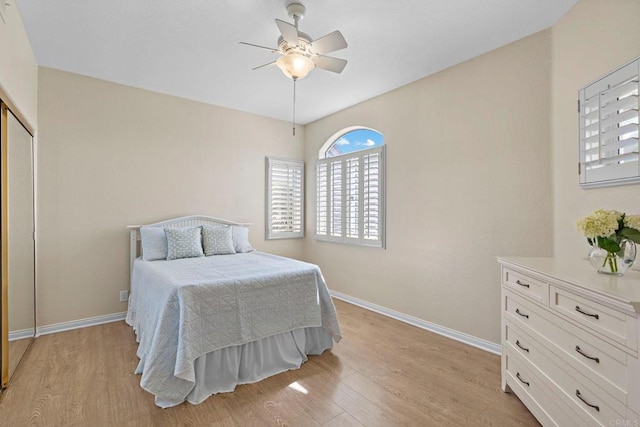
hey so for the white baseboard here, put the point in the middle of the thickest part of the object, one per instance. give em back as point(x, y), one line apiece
point(82, 323)
point(21, 334)
point(423, 324)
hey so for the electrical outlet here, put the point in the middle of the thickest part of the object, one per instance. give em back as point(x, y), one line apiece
point(124, 295)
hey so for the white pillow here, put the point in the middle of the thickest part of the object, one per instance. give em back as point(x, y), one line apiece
point(217, 240)
point(154, 243)
point(185, 242)
point(240, 238)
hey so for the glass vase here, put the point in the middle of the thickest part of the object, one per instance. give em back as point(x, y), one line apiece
point(611, 262)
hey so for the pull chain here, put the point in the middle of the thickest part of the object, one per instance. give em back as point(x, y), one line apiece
point(294, 106)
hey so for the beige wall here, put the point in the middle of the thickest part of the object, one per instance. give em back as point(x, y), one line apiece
point(468, 178)
point(481, 162)
point(111, 155)
point(594, 38)
point(18, 67)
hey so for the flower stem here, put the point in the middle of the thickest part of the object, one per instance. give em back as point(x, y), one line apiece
point(613, 262)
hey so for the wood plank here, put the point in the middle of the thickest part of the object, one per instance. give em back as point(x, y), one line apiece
point(343, 420)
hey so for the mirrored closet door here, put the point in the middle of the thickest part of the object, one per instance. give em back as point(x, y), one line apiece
point(18, 245)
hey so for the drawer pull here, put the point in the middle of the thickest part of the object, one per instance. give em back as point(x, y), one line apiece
point(523, 381)
point(519, 345)
point(526, 285)
point(597, 360)
point(579, 310)
point(596, 407)
point(521, 314)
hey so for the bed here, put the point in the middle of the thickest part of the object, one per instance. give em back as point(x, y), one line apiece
point(205, 324)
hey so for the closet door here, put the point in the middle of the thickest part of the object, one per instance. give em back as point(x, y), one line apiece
point(18, 245)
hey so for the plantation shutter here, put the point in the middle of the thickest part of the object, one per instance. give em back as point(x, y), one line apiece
point(322, 199)
point(609, 129)
point(352, 197)
point(285, 198)
point(349, 198)
point(372, 192)
point(335, 199)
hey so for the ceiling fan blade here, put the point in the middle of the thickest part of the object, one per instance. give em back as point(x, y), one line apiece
point(329, 43)
point(261, 47)
point(335, 65)
point(289, 32)
point(264, 65)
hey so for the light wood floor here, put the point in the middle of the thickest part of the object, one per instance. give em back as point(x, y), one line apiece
point(382, 373)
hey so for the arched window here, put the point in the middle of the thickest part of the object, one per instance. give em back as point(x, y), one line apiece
point(350, 186)
point(349, 140)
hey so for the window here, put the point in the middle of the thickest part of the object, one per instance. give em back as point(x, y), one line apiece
point(350, 188)
point(609, 129)
point(285, 199)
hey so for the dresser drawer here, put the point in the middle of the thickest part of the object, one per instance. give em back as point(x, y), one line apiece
point(586, 398)
point(539, 395)
point(526, 285)
point(527, 314)
point(589, 355)
point(605, 321)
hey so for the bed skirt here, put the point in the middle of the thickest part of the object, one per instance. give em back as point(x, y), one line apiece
point(222, 370)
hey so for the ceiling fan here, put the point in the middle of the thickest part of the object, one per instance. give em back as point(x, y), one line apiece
point(299, 52)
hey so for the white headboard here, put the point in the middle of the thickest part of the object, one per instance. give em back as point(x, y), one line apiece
point(183, 221)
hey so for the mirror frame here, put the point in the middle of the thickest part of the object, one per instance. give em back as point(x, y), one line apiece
point(4, 335)
point(6, 107)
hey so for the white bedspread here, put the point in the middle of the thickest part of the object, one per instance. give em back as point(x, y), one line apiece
point(183, 309)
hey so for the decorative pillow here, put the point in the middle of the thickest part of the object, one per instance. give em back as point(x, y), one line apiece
point(240, 238)
point(184, 242)
point(217, 240)
point(154, 243)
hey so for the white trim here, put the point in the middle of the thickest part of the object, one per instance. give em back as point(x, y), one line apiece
point(81, 323)
point(422, 324)
point(21, 334)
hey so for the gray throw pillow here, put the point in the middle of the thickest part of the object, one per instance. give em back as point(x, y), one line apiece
point(217, 240)
point(185, 242)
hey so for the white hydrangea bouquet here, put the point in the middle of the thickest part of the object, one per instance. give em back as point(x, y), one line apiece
point(613, 235)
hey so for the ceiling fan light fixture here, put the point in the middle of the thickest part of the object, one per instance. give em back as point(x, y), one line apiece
point(295, 65)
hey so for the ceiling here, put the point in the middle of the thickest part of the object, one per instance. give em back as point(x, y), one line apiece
point(190, 48)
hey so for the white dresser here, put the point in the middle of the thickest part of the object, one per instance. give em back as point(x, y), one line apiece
point(570, 341)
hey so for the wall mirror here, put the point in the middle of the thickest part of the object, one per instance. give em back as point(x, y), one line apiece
point(18, 244)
